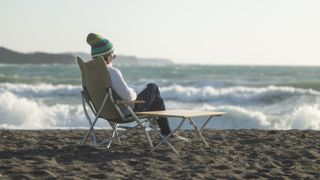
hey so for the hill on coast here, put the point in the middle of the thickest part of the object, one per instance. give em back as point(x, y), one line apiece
point(8, 56)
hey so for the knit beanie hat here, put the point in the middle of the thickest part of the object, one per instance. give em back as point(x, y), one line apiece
point(99, 46)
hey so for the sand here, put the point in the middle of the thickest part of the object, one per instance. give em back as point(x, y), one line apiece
point(233, 154)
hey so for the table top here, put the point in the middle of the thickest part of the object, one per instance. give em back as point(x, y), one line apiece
point(180, 113)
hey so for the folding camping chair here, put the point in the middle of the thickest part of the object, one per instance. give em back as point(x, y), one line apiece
point(104, 103)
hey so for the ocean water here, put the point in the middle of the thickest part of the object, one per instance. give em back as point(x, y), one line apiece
point(48, 96)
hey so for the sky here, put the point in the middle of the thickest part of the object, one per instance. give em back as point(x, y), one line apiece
point(225, 32)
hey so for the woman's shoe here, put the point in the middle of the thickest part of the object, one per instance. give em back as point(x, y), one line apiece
point(176, 138)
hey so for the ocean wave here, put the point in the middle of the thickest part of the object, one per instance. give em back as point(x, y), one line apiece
point(306, 117)
point(234, 95)
point(7, 65)
point(23, 113)
point(40, 90)
point(302, 117)
point(237, 95)
point(238, 118)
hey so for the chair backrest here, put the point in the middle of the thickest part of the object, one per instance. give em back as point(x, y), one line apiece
point(96, 81)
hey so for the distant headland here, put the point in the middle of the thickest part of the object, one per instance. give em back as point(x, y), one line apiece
point(8, 56)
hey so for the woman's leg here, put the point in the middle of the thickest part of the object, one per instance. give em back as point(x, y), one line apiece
point(153, 102)
point(158, 105)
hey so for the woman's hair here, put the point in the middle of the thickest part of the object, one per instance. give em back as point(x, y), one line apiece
point(105, 57)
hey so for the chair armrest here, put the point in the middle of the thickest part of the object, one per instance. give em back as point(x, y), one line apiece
point(129, 102)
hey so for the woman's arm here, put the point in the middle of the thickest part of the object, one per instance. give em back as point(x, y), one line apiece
point(120, 86)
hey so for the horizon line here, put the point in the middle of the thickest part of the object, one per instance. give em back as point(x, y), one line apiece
point(174, 61)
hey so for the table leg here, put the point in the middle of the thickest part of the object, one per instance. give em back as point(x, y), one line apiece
point(199, 131)
point(164, 139)
point(205, 124)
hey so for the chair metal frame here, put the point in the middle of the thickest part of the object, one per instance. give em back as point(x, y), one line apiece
point(123, 119)
point(114, 126)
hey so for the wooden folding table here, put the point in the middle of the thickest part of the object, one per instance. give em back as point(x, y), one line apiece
point(184, 115)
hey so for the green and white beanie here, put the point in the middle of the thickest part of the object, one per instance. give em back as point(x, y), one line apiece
point(99, 46)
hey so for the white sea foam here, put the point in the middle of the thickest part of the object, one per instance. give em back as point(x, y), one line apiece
point(306, 117)
point(6, 65)
point(40, 90)
point(19, 108)
point(238, 118)
point(234, 95)
point(23, 113)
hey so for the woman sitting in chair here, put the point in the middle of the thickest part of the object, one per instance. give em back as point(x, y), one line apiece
point(151, 95)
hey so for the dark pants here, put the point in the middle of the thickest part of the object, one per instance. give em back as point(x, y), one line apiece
point(153, 102)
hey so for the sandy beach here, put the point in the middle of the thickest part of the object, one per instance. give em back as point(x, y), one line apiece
point(234, 154)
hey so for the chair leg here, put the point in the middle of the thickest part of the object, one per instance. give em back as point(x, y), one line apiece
point(90, 130)
point(93, 133)
point(89, 121)
point(117, 134)
point(141, 126)
point(93, 136)
point(109, 141)
point(114, 134)
point(147, 135)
